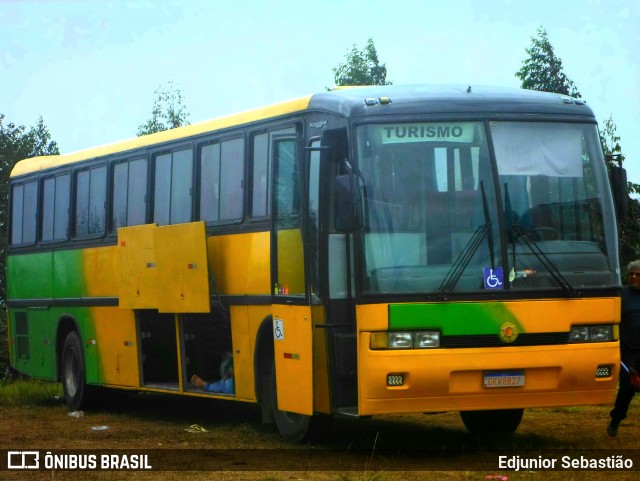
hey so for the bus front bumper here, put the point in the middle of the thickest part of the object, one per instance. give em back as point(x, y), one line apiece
point(434, 380)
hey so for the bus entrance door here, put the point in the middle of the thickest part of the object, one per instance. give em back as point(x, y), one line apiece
point(292, 321)
point(293, 358)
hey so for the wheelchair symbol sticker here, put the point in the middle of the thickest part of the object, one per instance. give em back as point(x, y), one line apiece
point(493, 278)
point(278, 329)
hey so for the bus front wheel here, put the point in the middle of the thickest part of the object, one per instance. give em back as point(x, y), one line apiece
point(73, 372)
point(295, 427)
point(499, 421)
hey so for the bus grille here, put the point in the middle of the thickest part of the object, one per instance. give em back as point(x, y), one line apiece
point(524, 339)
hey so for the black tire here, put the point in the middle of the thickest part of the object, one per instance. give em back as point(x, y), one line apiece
point(499, 421)
point(76, 391)
point(296, 428)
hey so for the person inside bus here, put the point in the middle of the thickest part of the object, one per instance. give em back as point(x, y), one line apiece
point(226, 384)
point(629, 348)
point(538, 222)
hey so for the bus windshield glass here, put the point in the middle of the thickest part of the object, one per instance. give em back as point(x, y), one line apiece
point(436, 222)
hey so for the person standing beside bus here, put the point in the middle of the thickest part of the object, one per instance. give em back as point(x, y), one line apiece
point(629, 348)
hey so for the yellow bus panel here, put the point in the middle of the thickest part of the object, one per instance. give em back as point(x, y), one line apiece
point(293, 352)
point(181, 270)
point(242, 353)
point(138, 287)
point(240, 263)
point(102, 260)
point(116, 341)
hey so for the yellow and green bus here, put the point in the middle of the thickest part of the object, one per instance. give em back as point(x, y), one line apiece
point(363, 251)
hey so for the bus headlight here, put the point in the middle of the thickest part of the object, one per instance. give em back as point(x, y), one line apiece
point(600, 334)
point(579, 334)
point(405, 340)
point(400, 340)
point(426, 339)
point(591, 334)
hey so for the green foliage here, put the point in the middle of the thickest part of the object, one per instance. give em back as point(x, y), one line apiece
point(29, 393)
point(361, 67)
point(169, 111)
point(629, 227)
point(16, 143)
point(629, 233)
point(542, 70)
point(4, 353)
point(610, 141)
point(363, 476)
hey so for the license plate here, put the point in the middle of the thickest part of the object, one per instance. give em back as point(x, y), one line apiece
point(504, 379)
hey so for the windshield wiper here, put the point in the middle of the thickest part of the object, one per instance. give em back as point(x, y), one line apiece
point(488, 225)
point(462, 261)
point(516, 231)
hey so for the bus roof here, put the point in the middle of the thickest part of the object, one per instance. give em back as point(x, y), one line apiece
point(448, 99)
point(35, 164)
point(350, 102)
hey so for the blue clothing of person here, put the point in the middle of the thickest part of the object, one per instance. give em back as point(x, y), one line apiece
point(629, 351)
point(223, 386)
point(630, 321)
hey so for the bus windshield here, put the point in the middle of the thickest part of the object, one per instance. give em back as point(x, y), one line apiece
point(436, 222)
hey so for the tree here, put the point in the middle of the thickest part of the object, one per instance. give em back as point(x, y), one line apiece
point(361, 67)
point(610, 141)
point(168, 112)
point(629, 227)
point(542, 70)
point(16, 143)
point(629, 233)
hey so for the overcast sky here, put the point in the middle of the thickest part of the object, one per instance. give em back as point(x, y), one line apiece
point(90, 68)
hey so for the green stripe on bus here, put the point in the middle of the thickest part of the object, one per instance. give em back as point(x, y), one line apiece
point(452, 319)
point(68, 273)
point(29, 276)
point(46, 275)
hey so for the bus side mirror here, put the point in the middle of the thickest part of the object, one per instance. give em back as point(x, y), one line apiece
point(618, 179)
point(348, 216)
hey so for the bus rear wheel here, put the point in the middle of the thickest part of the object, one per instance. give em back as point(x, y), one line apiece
point(498, 421)
point(75, 390)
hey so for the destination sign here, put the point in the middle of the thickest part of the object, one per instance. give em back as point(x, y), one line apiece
point(440, 132)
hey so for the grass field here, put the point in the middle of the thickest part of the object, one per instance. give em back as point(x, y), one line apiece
point(207, 439)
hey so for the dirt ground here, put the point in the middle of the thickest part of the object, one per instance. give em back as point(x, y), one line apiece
point(208, 439)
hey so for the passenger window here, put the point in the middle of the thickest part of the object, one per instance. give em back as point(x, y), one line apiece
point(222, 181)
point(23, 215)
point(129, 202)
point(91, 191)
point(172, 191)
point(55, 208)
point(232, 179)
point(261, 172)
point(210, 183)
